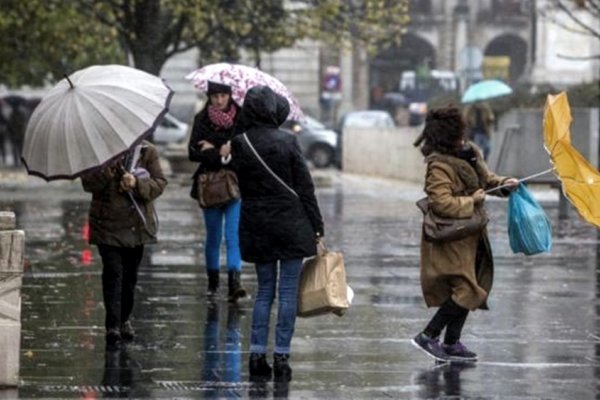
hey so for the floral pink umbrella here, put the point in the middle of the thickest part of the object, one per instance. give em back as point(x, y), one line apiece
point(241, 78)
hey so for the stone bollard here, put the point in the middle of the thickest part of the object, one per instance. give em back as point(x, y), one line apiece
point(12, 243)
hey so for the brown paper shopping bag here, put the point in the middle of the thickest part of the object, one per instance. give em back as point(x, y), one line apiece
point(323, 287)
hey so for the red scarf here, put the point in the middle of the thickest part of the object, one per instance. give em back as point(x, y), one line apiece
point(222, 119)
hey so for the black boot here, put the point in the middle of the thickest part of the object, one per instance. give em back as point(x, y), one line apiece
point(258, 366)
point(213, 282)
point(236, 290)
point(113, 339)
point(281, 367)
point(127, 331)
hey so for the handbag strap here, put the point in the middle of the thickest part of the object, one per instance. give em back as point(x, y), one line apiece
point(259, 158)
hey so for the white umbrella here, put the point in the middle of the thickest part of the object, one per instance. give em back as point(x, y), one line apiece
point(92, 117)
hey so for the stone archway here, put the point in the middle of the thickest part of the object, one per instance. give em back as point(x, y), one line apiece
point(386, 68)
point(513, 47)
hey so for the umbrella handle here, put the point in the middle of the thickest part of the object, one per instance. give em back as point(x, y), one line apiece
point(521, 180)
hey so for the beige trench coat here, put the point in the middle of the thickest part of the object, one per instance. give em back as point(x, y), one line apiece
point(449, 269)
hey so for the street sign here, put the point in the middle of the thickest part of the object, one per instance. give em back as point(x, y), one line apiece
point(332, 81)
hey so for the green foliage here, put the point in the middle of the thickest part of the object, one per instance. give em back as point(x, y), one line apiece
point(255, 25)
point(40, 40)
point(372, 24)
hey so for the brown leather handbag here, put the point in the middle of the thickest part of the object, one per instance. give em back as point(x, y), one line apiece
point(217, 188)
point(438, 229)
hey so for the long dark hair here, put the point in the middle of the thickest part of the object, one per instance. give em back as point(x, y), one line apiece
point(444, 127)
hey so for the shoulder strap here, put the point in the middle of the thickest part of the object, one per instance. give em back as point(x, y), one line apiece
point(259, 158)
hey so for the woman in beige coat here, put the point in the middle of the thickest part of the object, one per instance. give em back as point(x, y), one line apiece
point(456, 276)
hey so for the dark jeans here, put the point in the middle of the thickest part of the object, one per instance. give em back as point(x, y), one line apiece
point(119, 276)
point(450, 316)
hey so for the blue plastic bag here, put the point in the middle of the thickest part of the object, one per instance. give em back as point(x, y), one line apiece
point(529, 230)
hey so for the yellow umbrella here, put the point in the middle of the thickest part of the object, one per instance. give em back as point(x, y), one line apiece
point(580, 179)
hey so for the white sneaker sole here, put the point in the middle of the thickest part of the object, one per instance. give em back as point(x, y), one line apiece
point(455, 359)
point(443, 360)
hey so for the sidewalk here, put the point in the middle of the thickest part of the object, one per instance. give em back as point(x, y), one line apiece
point(538, 341)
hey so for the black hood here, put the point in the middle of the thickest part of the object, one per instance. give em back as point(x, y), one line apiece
point(262, 108)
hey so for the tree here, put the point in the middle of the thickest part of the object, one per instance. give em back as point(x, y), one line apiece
point(255, 25)
point(371, 24)
point(44, 39)
point(68, 34)
point(583, 14)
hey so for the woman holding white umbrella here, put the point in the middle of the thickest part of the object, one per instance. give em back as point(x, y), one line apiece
point(92, 125)
point(120, 233)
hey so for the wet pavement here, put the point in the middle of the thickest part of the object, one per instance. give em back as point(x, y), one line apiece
point(541, 340)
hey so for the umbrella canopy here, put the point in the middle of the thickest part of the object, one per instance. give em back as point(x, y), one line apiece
point(580, 179)
point(241, 78)
point(92, 117)
point(485, 90)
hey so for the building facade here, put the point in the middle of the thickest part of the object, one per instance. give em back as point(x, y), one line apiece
point(513, 40)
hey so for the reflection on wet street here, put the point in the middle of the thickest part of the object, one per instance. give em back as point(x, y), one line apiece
point(540, 339)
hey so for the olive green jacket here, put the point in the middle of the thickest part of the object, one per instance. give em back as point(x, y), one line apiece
point(113, 217)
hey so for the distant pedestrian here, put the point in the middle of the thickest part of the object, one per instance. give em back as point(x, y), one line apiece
point(4, 109)
point(16, 125)
point(479, 118)
point(213, 127)
point(120, 232)
point(280, 222)
point(456, 276)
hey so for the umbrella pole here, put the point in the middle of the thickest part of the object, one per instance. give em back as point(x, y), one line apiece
point(522, 179)
point(137, 208)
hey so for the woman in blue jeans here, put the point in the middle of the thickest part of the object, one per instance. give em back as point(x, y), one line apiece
point(280, 221)
point(213, 127)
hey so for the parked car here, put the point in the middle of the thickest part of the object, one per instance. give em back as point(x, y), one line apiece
point(319, 144)
point(362, 119)
point(170, 130)
point(366, 119)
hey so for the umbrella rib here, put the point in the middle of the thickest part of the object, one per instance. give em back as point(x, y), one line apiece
point(84, 122)
point(115, 99)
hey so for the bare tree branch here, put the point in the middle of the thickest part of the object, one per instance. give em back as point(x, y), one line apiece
point(567, 10)
point(578, 58)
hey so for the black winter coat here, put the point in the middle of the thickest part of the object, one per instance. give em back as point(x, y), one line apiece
point(274, 224)
point(204, 129)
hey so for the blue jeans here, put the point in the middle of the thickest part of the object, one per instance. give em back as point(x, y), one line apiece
point(213, 221)
point(213, 370)
point(289, 275)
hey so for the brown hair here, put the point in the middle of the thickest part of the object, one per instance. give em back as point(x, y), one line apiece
point(444, 127)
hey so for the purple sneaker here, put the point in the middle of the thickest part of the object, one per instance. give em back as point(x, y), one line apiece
point(431, 347)
point(459, 352)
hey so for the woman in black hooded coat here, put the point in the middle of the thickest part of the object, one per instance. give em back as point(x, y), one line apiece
point(276, 225)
